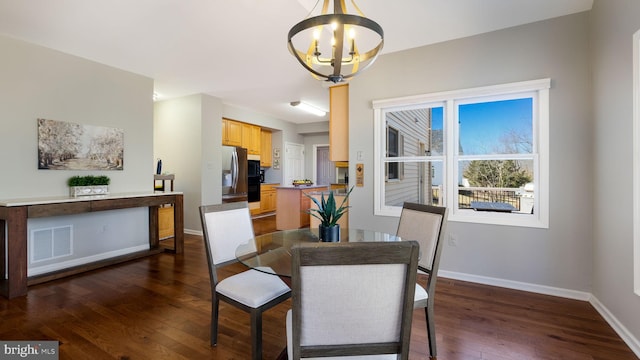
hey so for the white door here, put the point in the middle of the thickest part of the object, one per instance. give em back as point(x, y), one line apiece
point(293, 163)
point(325, 168)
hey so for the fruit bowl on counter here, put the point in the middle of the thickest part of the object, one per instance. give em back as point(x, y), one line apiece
point(305, 182)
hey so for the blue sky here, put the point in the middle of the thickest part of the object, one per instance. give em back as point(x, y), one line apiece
point(483, 124)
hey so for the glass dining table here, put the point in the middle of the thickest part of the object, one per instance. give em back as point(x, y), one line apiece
point(271, 253)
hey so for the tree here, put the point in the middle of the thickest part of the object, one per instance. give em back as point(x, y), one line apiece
point(496, 173)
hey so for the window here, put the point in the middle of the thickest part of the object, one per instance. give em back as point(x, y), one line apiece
point(481, 152)
point(392, 151)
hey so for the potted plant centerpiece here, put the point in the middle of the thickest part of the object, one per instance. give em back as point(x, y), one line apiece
point(328, 212)
point(88, 185)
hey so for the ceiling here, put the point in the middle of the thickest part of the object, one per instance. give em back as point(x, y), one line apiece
point(236, 50)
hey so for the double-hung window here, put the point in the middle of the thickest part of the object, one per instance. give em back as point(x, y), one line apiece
point(481, 152)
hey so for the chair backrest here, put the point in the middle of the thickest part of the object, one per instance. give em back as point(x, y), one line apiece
point(225, 227)
point(427, 225)
point(353, 298)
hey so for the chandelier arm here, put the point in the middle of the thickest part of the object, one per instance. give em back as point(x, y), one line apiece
point(371, 53)
point(304, 64)
point(337, 50)
point(339, 7)
point(357, 8)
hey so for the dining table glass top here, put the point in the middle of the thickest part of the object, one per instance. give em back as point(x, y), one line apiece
point(271, 253)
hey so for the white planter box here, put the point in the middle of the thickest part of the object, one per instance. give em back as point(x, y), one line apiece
point(76, 191)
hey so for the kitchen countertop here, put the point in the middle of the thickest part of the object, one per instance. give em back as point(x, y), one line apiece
point(301, 187)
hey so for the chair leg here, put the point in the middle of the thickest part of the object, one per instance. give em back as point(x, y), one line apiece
point(431, 331)
point(215, 305)
point(256, 334)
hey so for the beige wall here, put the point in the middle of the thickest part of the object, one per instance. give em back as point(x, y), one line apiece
point(188, 137)
point(556, 258)
point(42, 83)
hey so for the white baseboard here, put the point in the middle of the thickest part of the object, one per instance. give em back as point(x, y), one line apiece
point(517, 285)
point(620, 329)
point(617, 326)
point(32, 271)
point(193, 232)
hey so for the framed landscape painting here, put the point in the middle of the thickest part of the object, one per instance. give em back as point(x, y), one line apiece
point(69, 146)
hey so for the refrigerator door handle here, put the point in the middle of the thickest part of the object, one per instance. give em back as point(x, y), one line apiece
point(234, 171)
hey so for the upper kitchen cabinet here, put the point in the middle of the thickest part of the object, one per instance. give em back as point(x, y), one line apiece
point(339, 123)
point(251, 138)
point(231, 133)
point(265, 148)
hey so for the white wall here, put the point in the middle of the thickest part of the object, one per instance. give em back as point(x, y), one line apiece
point(558, 257)
point(184, 133)
point(613, 24)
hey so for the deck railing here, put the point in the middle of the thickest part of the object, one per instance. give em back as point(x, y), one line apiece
point(482, 194)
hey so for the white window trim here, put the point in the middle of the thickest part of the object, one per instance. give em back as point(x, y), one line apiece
point(540, 218)
point(636, 162)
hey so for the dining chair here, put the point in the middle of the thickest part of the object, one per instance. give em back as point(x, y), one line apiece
point(427, 225)
point(225, 227)
point(352, 300)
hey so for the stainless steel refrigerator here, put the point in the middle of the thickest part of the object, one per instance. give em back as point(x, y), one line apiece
point(234, 174)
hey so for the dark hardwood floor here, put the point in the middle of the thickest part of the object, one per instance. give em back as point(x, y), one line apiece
point(159, 308)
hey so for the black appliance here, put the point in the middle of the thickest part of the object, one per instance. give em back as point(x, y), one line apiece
point(253, 183)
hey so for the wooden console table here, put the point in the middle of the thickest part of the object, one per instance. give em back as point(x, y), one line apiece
point(13, 232)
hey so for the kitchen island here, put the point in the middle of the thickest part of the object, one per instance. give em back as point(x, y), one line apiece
point(292, 205)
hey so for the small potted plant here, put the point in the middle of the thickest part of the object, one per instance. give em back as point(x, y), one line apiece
point(328, 212)
point(88, 185)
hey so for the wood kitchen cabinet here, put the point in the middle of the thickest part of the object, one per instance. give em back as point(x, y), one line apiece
point(268, 198)
point(165, 222)
point(231, 133)
point(339, 123)
point(251, 138)
point(164, 183)
point(292, 206)
point(266, 157)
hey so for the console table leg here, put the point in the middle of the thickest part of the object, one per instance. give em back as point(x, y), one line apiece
point(178, 223)
point(15, 283)
point(154, 233)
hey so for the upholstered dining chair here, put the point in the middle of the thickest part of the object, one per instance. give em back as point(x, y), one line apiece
point(225, 227)
point(352, 300)
point(427, 225)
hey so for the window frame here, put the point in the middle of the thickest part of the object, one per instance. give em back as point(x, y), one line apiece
point(636, 165)
point(396, 153)
point(538, 89)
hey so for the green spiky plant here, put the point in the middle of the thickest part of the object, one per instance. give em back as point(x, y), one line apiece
point(88, 180)
point(328, 212)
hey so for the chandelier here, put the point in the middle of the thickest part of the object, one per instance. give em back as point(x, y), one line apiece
point(333, 41)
